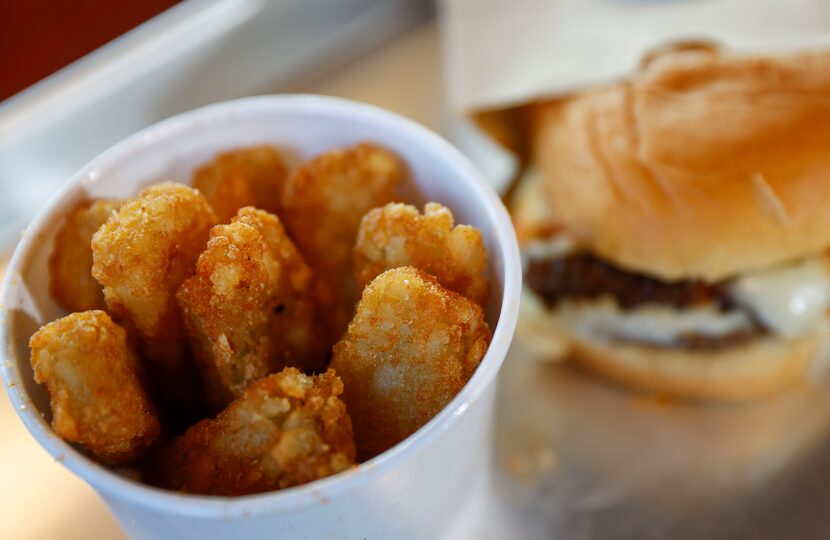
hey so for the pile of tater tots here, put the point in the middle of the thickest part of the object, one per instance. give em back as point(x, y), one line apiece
point(264, 328)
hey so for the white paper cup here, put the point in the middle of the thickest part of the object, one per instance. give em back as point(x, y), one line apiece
point(413, 490)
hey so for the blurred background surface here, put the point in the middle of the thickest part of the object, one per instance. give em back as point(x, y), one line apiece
point(38, 37)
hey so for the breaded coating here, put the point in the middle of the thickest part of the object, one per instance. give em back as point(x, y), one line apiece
point(70, 264)
point(397, 235)
point(242, 177)
point(141, 255)
point(411, 346)
point(92, 375)
point(323, 202)
point(287, 429)
point(249, 308)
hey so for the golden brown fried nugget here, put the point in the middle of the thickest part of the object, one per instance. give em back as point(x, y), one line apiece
point(92, 375)
point(141, 255)
point(70, 264)
point(411, 346)
point(144, 252)
point(249, 308)
point(287, 429)
point(397, 235)
point(243, 177)
point(323, 202)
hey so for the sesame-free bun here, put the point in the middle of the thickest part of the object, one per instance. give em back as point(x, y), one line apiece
point(703, 165)
point(758, 368)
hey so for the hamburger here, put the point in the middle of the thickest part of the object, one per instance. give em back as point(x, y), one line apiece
point(675, 226)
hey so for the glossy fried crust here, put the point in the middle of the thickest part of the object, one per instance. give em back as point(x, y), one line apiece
point(323, 203)
point(410, 348)
point(249, 309)
point(287, 429)
point(397, 235)
point(70, 264)
point(92, 375)
point(243, 177)
point(143, 253)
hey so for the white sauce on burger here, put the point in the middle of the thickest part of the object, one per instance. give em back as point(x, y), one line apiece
point(790, 300)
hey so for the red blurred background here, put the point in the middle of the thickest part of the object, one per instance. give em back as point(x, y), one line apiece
point(38, 37)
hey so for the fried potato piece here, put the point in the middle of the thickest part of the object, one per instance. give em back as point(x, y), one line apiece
point(70, 264)
point(243, 177)
point(397, 235)
point(143, 253)
point(287, 429)
point(140, 256)
point(410, 348)
point(249, 308)
point(92, 375)
point(323, 202)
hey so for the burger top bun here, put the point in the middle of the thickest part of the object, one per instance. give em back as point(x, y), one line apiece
point(704, 165)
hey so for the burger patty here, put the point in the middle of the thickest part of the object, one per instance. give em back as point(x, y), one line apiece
point(587, 277)
point(583, 276)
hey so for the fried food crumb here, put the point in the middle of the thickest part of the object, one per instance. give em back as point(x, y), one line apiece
point(411, 346)
point(287, 429)
point(323, 202)
point(397, 235)
point(251, 176)
point(249, 308)
point(92, 375)
point(70, 265)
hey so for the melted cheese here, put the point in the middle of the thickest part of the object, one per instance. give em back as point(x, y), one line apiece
point(790, 300)
point(658, 325)
point(550, 248)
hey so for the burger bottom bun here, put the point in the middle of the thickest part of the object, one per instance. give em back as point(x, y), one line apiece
point(760, 368)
